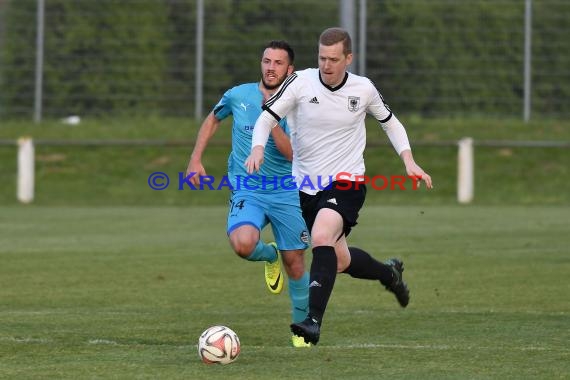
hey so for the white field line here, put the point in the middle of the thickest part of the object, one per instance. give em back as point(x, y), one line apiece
point(234, 312)
point(24, 340)
point(103, 342)
point(436, 347)
point(417, 347)
point(431, 347)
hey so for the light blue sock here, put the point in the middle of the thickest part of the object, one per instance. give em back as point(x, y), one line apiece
point(263, 252)
point(299, 294)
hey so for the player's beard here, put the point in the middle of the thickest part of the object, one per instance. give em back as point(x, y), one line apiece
point(272, 86)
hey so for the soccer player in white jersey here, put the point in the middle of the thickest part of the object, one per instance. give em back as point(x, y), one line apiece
point(325, 109)
point(258, 201)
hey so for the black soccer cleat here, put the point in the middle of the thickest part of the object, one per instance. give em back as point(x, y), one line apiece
point(309, 329)
point(398, 286)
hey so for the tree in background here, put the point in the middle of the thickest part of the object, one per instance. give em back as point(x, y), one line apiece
point(101, 57)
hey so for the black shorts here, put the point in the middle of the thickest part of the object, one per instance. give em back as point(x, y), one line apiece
point(346, 202)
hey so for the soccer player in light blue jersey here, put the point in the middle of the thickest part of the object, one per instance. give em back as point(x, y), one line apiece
point(269, 197)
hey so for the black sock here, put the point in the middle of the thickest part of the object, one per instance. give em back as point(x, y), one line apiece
point(323, 275)
point(364, 266)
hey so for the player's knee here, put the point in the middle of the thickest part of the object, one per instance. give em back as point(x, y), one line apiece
point(243, 246)
point(322, 238)
point(295, 271)
point(294, 264)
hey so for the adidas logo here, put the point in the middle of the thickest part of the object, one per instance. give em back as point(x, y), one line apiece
point(315, 283)
point(333, 201)
point(314, 100)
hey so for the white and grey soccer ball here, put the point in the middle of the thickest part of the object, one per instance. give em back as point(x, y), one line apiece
point(218, 345)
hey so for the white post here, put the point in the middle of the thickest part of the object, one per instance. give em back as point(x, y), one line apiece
point(465, 171)
point(25, 170)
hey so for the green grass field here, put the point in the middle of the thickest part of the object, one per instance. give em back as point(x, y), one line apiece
point(124, 292)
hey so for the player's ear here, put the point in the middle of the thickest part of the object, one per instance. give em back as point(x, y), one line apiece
point(349, 59)
point(290, 69)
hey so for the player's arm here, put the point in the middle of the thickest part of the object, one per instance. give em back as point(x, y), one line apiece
point(263, 126)
point(397, 135)
point(282, 142)
point(207, 130)
point(414, 170)
point(399, 139)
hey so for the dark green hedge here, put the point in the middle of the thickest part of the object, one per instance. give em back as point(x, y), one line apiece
point(99, 55)
point(428, 58)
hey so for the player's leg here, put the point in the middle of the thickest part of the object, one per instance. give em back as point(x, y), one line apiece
point(362, 265)
point(328, 223)
point(359, 263)
point(244, 240)
point(298, 286)
point(292, 238)
point(246, 218)
point(298, 283)
point(326, 226)
point(331, 214)
point(245, 221)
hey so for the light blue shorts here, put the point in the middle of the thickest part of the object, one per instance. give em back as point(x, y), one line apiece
point(281, 209)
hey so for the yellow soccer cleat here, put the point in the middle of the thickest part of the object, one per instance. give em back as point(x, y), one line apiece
point(273, 276)
point(299, 342)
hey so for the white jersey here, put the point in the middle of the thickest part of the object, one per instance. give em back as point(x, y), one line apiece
point(327, 127)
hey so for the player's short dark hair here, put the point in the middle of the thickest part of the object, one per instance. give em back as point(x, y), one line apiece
point(335, 35)
point(284, 45)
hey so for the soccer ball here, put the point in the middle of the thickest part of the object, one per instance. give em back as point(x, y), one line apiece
point(218, 345)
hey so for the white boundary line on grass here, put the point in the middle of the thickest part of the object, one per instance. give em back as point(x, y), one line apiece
point(437, 347)
point(24, 340)
point(432, 347)
point(103, 341)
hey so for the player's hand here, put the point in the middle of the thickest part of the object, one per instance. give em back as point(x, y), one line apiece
point(255, 159)
point(414, 170)
point(198, 169)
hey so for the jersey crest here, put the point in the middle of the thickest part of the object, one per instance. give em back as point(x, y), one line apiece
point(353, 103)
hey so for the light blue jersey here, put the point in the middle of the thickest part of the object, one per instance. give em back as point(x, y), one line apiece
point(267, 197)
point(244, 103)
